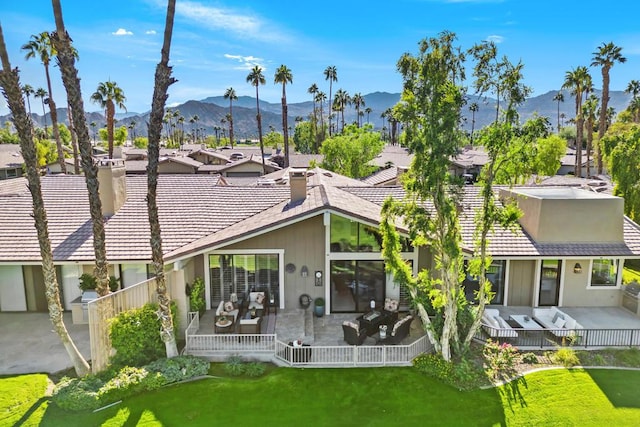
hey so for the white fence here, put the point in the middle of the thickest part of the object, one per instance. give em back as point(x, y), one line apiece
point(219, 346)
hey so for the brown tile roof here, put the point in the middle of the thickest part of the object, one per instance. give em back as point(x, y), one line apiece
point(10, 156)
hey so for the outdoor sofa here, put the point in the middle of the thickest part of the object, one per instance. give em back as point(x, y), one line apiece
point(495, 325)
point(557, 322)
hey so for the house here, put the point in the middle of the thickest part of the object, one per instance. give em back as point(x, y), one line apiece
point(10, 161)
point(318, 236)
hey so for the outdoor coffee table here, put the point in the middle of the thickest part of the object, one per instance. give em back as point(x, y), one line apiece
point(525, 322)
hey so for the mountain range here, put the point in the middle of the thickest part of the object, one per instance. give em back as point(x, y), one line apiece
point(212, 110)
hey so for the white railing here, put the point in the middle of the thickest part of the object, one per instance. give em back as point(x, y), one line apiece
point(221, 345)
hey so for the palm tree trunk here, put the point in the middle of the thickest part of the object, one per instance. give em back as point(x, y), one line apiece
point(54, 123)
point(163, 80)
point(74, 141)
point(11, 87)
point(602, 123)
point(111, 112)
point(259, 120)
point(285, 131)
point(231, 123)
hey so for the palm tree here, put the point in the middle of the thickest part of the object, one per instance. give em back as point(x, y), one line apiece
point(320, 98)
point(230, 94)
point(358, 101)
point(589, 110)
point(256, 78)
point(331, 74)
point(560, 98)
point(132, 127)
point(94, 125)
point(223, 121)
point(40, 47)
point(74, 139)
point(11, 87)
point(633, 88)
point(368, 111)
point(108, 96)
point(163, 80)
point(577, 81)
point(634, 105)
point(606, 56)
point(474, 109)
point(313, 90)
point(341, 100)
point(28, 90)
point(195, 120)
point(66, 60)
point(283, 75)
point(42, 94)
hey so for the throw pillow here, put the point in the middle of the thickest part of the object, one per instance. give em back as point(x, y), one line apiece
point(228, 306)
point(559, 323)
point(353, 325)
point(260, 298)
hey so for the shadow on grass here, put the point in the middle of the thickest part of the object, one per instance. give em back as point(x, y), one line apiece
point(511, 393)
point(27, 414)
point(613, 384)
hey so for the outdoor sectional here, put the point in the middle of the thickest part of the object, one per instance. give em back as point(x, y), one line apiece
point(496, 326)
point(557, 322)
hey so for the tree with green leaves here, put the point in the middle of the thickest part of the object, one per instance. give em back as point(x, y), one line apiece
point(430, 106)
point(549, 151)
point(368, 111)
point(303, 138)
point(28, 90)
point(340, 102)
point(350, 152)
point(634, 105)
point(358, 102)
point(162, 81)
point(320, 98)
point(589, 112)
point(607, 55)
point(40, 47)
point(230, 94)
point(559, 97)
point(256, 78)
point(313, 90)
point(109, 95)
point(10, 83)
point(331, 74)
point(283, 75)
point(621, 145)
point(578, 80)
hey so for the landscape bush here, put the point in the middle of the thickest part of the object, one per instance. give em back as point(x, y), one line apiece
point(254, 369)
point(566, 357)
point(196, 296)
point(135, 336)
point(500, 359)
point(463, 374)
point(234, 366)
point(530, 358)
point(94, 391)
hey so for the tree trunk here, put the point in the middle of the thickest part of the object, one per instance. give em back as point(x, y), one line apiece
point(285, 131)
point(230, 124)
point(111, 112)
point(74, 141)
point(11, 87)
point(602, 124)
point(163, 80)
point(54, 124)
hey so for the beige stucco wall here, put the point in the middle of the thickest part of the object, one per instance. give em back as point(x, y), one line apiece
point(576, 294)
point(570, 215)
point(303, 244)
point(521, 282)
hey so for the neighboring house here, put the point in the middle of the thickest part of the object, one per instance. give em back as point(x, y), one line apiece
point(247, 167)
point(388, 176)
point(54, 167)
point(10, 161)
point(318, 235)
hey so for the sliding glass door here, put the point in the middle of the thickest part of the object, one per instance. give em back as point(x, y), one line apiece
point(355, 283)
point(550, 282)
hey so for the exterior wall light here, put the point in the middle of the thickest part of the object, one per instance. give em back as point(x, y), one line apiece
point(577, 269)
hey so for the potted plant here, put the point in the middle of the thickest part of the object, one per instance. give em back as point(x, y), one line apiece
point(319, 307)
point(88, 285)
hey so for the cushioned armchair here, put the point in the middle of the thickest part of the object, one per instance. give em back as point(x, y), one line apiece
point(390, 310)
point(353, 335)
point(400, 331)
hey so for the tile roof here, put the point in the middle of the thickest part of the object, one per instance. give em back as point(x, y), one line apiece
point(10, 156)
point(383, 176)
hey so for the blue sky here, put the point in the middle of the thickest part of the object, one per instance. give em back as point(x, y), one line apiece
point(215, 43)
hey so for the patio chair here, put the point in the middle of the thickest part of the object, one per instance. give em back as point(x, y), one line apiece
point(353, 334)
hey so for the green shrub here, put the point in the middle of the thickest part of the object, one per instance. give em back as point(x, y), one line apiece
point(500, 359)
point(530, 358)
point(254, 369)
point(179, 368)
point(196, 296)
point(462, 375)
point(135, 336)
point(77, 395)
point(127, 382)
point(435, 366)
point(234, 366)
point(566, 357)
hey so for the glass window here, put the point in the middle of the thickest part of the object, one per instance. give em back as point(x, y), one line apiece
point(242, 274)
point(495, 274)
point(604, 272)
point(351, 236)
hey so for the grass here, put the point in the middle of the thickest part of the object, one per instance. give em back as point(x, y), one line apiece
point(342, 397)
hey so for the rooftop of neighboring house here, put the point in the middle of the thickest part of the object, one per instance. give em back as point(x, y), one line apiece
point(199, 213)
point(10, 156)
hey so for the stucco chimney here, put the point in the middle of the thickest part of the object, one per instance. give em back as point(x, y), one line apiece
point(298, 184)
point(113, 185)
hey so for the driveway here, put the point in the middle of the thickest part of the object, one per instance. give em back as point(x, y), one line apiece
point(29, 344)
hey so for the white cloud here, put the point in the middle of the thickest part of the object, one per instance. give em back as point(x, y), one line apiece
point(495, 38)
point(122, 32)
point(242, 25)
point(246, 62)
point(150, 32)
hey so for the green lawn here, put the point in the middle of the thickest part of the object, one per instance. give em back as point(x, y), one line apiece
point(346, 397)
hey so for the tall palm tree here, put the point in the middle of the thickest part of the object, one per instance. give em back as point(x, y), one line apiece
point(634, 105)
point(230, 94)
point(633, 88)
point(74, 139)
point(40, 47)
point(589, 110)
point(11, 87)
point(66, 60)
point(195, 119)
point(560, 98)
point(474, 109)
point(93, 126)
point(256, 78)
point(331, 74)
point(358, 102)
point(577, 81)
point(109, 95)
point(634, 109)
point(606, 56)
point(28, 90)
point(320, 98)
point(283, 75)
point(163, 80)
point(42, 94)
point(132, 130)
point(368, 111)
point(313, 90)
point(340, 102)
